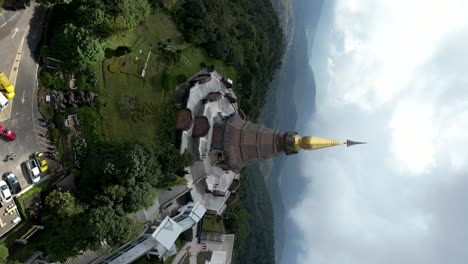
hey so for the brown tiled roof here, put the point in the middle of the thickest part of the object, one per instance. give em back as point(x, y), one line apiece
point(212, 97)
point(226, 82)
point(201, 78)
point(231, 198)
point(234, 185)
point(184, 119)
point(201, 126)
point(231, 98)
point(244, 143)
point(241, 114)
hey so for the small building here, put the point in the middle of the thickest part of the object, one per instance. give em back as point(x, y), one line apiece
point(9, 217)
point(159, 239)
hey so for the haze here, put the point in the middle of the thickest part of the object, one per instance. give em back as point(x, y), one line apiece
point(392, 73)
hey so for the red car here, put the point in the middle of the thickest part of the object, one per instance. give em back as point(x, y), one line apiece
point(7, 134)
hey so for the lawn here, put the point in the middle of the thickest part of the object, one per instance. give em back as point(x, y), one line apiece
point(135, 104)
point(211, 225)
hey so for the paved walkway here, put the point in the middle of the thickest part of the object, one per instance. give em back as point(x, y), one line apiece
point(192, 248)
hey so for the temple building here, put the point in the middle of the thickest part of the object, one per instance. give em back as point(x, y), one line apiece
point(224, 142)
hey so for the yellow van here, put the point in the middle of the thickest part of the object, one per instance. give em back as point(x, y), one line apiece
point(6, 86)
point(9, 95)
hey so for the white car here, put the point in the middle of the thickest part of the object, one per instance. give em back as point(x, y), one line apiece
point(33, 170)
point(5, 192)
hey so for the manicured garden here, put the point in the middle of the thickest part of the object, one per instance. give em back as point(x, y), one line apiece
point(134, 103)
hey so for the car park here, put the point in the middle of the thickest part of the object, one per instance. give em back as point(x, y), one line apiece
point(39, 157)
point(32, 169)
point(5, 193)
point(12, 181)
point(7, 134)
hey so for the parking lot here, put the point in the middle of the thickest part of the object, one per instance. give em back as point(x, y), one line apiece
point(20, 34)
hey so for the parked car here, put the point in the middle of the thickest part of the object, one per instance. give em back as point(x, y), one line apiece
point(5, 193)
point(40, 160)
point(32, 168)
point(3, 101)
point(7, 134)
point(12, 182)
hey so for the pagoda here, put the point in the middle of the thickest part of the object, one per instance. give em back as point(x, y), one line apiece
point(224, 143)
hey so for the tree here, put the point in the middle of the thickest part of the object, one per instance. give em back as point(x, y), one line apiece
point(77, 45)
point(66, 233)
point(54, 2)
point(54, 134)
point(63, 204)
point(126, 173)
point(3, 253)
point(109, 222)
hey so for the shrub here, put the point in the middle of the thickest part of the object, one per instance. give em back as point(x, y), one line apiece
point(80, 82)
point(45, 78)
point(122, 50)
point(109, 53)
point(59, 121)
point(100, 100)
point(181, 78)
point(3, 253)
point(54, 134)
point(46, 111)
point(80, 150)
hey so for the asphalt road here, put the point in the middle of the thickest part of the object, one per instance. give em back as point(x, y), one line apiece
point(24, 115)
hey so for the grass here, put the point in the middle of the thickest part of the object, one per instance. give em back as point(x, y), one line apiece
point(146, 96)
point(36, 189)
point(212, 225)
point(59, 148)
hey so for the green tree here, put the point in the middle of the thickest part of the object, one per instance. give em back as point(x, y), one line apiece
point(126, 173)
point(3, 253)
point(63, 204)
point(54, 134)
point(54, 2)
point(110, 223)
point(77, 45)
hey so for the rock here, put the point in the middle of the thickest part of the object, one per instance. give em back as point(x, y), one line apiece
point(71, 98)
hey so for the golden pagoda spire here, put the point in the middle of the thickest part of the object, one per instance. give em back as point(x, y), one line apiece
point(313, 143)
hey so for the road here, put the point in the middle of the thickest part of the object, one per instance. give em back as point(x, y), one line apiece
point(25, 24)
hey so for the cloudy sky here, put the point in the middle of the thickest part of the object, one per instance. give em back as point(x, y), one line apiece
point(393, 73)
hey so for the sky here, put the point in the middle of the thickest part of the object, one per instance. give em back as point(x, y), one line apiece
point(395, 74)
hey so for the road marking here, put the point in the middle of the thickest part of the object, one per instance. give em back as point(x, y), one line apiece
point(38, 126)
point(10, 19)
point(48, 145)
point(22, 99)
point(14, 33)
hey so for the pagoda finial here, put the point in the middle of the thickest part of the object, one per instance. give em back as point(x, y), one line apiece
point(350, 143)
point(312, 143)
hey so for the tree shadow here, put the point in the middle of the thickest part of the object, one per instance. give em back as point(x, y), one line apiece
point(36, 28)
point(14, 5)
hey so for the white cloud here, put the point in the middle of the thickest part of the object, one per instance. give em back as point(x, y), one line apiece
point(397, 78)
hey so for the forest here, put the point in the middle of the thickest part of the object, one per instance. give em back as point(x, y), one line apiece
point(245, 34)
